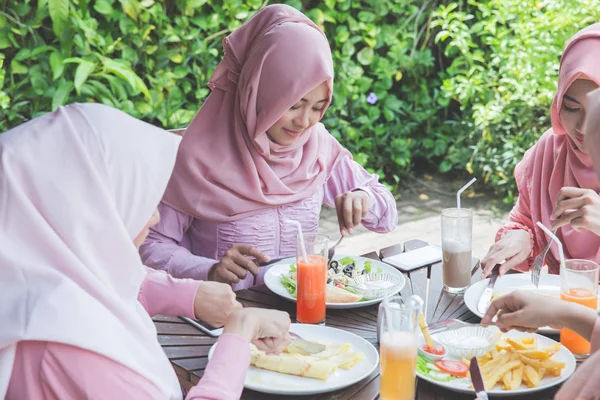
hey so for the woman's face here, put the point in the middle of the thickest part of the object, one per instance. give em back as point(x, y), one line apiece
point(574, 108)
point(139, 239)
point(301, 116)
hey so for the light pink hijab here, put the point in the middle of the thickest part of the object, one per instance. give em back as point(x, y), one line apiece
point(227, 168)
point(555, 162)
point(76, 186)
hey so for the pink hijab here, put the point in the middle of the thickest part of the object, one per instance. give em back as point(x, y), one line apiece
point(227, 168)
point(75, 188)
point(555, 161)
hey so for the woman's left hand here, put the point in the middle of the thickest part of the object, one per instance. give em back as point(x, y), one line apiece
point(351, 208)
point(578, 207)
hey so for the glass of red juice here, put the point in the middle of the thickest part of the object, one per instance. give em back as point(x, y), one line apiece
point(311, 278)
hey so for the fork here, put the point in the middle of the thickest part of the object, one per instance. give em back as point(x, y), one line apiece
point(331, 251)
point(538, 263)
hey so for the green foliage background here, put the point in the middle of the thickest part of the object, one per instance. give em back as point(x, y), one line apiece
point(460, 85)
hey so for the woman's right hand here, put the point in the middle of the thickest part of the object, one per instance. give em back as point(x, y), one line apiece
point(513, 248)
point(236, 263)
point(214, 302)
point(267, 329)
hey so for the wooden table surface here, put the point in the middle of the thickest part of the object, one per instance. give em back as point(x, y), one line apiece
point(187, 347)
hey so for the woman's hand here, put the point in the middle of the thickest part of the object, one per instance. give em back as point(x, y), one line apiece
point(267, 329)
point(514, 247)
point(584, 384)
point(236, 264)
point(351, 208)
point(577, 207)
point(214, 302)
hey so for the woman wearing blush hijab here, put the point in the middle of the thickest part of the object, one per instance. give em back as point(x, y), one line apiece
point(556, 181)
point(256, 155)
point(77, 194)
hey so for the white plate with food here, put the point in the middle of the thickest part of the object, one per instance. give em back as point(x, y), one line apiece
point(347, 359)
point(281, 280)
point(549, 286)
point(518, 364)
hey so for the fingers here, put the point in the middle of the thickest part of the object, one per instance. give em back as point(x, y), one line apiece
point(347, 210)
point(511, 263)
point(357, 211)
point(492, 260)
point(251, 251)
point(512, 320)
point(245, 264)
point(339, 209)
point(568, 204)
point(566, 218)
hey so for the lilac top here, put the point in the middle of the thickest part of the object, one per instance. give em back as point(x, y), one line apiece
point(188, 247)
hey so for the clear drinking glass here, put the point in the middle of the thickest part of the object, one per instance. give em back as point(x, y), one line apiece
point(578, 284)
point(398, 348)
point(311, 278)
point(457, 239)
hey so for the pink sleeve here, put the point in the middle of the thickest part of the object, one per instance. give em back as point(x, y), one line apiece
point(520, 215)
point(162, 249)
point(348, 176)
point(226, 371)
point(160, 293)
point(595, 342)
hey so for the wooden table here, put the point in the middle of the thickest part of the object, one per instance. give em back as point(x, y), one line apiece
point(187, 347)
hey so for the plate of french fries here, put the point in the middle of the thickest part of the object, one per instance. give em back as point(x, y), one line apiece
point(520, 363)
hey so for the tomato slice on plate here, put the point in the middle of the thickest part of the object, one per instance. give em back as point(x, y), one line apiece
point(451, 367)
point(437, 350)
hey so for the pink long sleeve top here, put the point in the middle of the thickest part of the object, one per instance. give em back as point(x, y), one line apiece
point(51, 370)
point(188, 247)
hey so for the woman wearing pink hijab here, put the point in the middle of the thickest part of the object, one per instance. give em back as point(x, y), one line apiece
point(77, 196)
point(556, 181)
point(256, 155)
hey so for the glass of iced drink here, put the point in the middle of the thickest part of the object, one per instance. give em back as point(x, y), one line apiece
point(311, 278)
point(398, 348)
point(457, 234)
point(578, 284)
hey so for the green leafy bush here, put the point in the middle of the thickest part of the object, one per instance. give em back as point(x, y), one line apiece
point(464, 85)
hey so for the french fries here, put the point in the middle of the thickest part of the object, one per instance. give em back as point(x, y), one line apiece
point(514, 362)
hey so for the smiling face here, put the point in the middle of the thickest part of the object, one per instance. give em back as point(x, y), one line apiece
point(574, 108)
point(300, 117)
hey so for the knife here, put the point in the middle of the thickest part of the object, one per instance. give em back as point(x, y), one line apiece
point(486, 297)
point(270, 262)
point(477, 380)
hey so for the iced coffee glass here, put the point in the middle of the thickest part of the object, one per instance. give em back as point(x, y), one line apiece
point(457, 235)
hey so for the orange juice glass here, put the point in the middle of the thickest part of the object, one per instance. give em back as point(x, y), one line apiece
point(579, 284)
point(311, 279)
point(398, 348)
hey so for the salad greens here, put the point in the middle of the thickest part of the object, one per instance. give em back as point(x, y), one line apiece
point(427, 368)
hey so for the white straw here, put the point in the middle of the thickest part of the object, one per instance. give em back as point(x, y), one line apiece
point(558, 243)
point(300, 235)
point(462, 189)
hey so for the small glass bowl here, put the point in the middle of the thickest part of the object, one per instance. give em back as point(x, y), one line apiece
point(364, 285)
point(461, 348)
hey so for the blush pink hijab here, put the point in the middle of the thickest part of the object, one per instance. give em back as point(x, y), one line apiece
point(76, 186)
point(555, 161)
point(227, 168)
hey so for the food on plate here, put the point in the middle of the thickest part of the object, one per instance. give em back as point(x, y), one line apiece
point(437, 350)
point(318, 366)
point(338, 274)
point(512, 363)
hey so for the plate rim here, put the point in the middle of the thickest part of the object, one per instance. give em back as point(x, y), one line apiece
point(309, 391)
point(334, 306)
point(506, 393)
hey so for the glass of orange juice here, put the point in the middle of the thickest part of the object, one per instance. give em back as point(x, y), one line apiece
point(398, 348)
point(311, 278)
point(578, 284)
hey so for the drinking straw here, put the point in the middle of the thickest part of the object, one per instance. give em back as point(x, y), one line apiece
point(462, 189)
point(300, 235)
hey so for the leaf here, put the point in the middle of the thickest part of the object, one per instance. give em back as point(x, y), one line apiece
point(57, 65)
point(62, 94)
point(83, 71)
point(365, 56)
point(103, 7)
point(59, 14)
point(127, 74)
point(131, 8)
point(17, 68)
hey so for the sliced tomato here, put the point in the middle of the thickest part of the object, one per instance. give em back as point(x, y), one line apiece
point(451, 367)
point(437, 350)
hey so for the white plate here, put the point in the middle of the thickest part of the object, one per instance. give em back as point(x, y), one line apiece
point(273, 279)
point(563, 355)
point(276, 383)
point(549, 285)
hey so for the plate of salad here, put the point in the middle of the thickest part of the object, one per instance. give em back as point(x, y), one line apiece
point(281, 280)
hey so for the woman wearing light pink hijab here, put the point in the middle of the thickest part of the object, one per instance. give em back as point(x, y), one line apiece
point(256, 155)
point(78, 188)
point(556, 181)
